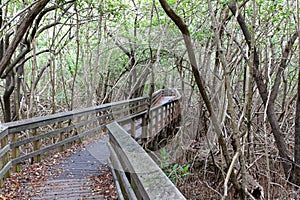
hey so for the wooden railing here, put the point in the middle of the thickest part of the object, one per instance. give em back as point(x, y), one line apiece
point(31, 138)
point(136, 175)
point(160, 116)
point(22, 140)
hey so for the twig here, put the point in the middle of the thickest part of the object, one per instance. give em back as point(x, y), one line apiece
point(235, 157)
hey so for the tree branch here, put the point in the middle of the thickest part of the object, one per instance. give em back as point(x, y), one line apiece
point(26, 23)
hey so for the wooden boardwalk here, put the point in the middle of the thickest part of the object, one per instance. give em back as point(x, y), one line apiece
point(74, 181)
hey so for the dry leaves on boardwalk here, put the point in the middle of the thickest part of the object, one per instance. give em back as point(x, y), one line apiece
point(23, 185)
point(104, 184)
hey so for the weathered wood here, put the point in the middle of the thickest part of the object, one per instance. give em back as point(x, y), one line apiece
point(35, 122)
point(55, 132)
point(36, 146)
point(117, 167)
point(150, 180)
point(54, 146)
point(14, 152)
point(116, 181)
point(156, 120)
point(4, 153)
point(84, 119)
point(132, 129)
point(144, 130)
point(5, 170)
point(3, 131)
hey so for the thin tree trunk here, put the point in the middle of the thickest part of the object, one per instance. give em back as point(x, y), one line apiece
point(26, 23)
point(9, 88)
point(262, 88)
point(188, 43)
point(77, 59)
point(296, 166)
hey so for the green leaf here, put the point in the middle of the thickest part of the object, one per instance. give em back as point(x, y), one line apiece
point(186, 168)
point(175, 166)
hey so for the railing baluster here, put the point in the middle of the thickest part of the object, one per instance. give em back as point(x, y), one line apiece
point(132, 124)
point(161, 116)
point(144, 129)
point(156, 120)
point(166, 114)
point(61, 138)
point(36, 146)
point(15, 152)
point(150, 124)
point(5, 158)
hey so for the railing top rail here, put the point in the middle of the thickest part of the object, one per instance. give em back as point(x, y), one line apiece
point(39, 120)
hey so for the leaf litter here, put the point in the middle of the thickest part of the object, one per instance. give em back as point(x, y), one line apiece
point(24, 184)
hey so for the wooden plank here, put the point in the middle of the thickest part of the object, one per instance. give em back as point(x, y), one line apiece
point(57, 131)
point(150, 180)
point(4, 150)
point(3, 131)
point(54, 146)
point(118, 167)
point(116, 181)
point(5, 169)
point(133, 116)
point(31, 123)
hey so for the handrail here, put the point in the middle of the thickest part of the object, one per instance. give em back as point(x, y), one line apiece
point(161, 116)
point(57, 131)
point(139, 175)
point(39, 135)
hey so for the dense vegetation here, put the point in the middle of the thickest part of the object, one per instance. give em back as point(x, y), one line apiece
point(236, 64)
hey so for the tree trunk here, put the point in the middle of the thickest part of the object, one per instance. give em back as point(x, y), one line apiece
point(262, 88)
point(9, 88)
point(26, 23)
point(296, 165)
point(188, 43)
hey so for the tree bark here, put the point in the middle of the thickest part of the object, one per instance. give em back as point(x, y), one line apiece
point(26, 23)
point(296, 165)
point(9, 88)
point(188, 43)
point(262, 88)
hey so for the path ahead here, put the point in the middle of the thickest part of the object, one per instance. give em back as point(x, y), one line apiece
point(75, 180)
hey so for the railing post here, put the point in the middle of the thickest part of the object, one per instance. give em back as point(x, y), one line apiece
point(150, 124)
point(5, 157)
point(156, 120)
point(36, 146)
point(162, 117)
point(144, 130)
point(61, 138)
point(173, 110)
point(132, 124)
point(167, 114)
point(15, 153)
